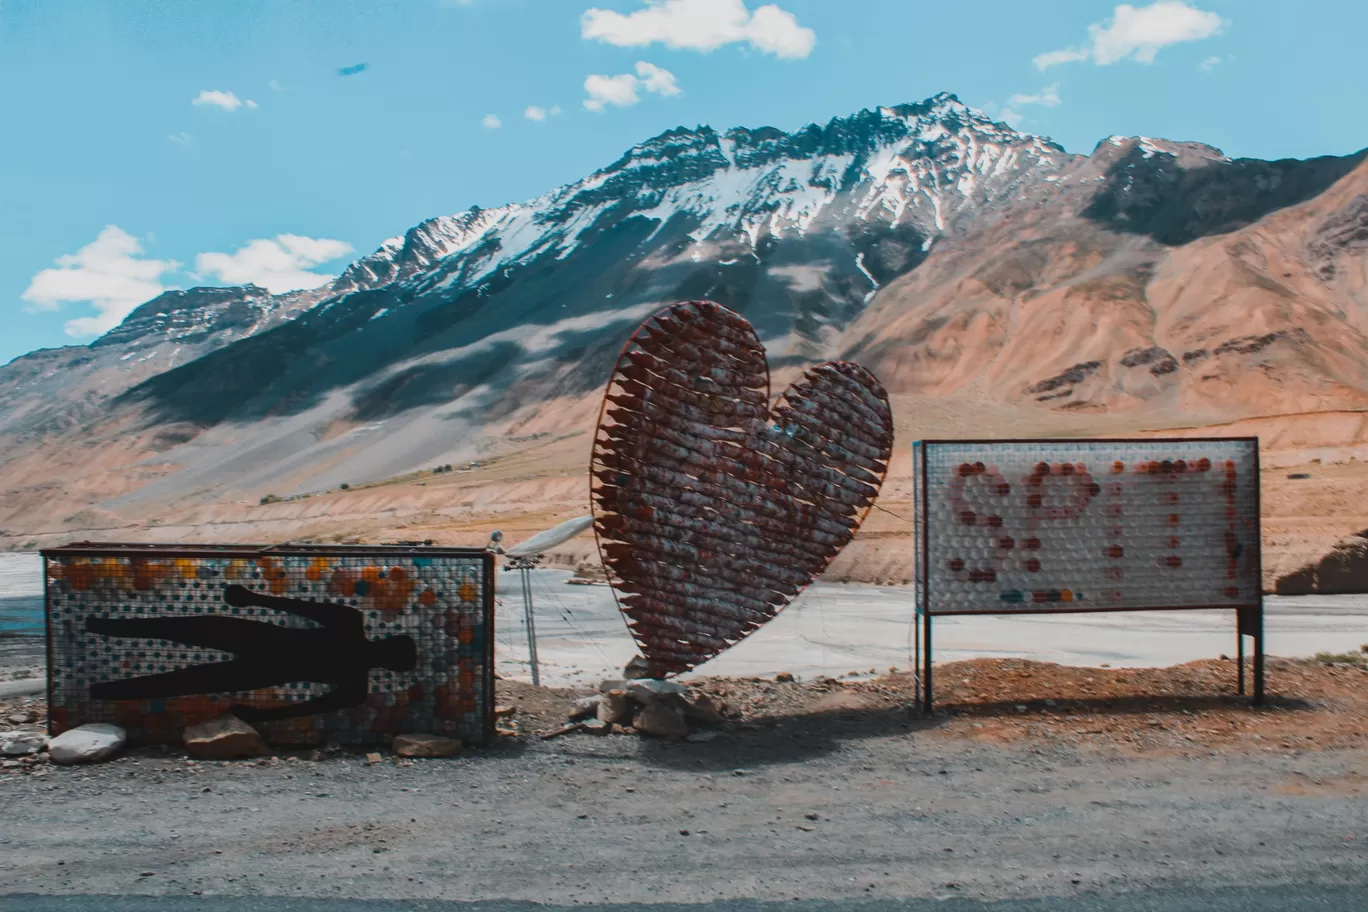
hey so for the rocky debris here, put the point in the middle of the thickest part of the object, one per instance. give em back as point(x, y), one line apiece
point(21, 743)
point(23, 717)
point(426, 746)
point(611, 684)
point(706, 710)
point(224, 738)
point(614, 707)
point(584, 707)
point(595, 727)
point(654, 690)
point(784, 677)
point(373, 758)
point(87, 744)
point(662, 719)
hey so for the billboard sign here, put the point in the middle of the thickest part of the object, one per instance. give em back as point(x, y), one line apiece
point(1086, 525)
point(311, 644)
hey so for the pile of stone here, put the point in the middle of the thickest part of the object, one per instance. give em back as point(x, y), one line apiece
point(648, 706)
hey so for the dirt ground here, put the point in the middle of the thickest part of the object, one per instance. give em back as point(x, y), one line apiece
point(1030, 780)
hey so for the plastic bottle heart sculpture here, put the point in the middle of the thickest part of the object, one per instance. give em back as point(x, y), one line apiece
point(713, 510)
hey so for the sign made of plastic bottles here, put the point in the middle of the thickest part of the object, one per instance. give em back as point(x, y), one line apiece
point(1086, 525)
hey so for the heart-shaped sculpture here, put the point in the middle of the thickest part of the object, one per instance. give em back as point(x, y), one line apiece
point(713, 510)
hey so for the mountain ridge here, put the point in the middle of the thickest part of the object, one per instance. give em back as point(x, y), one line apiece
point(1149, 283)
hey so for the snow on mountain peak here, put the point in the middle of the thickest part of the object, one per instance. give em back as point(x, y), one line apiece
point(920, 164)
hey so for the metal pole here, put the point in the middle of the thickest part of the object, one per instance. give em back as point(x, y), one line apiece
point(1259, 655)
point(1239, 652)
point(531, 624)
point(916, 653)
point(926, 668)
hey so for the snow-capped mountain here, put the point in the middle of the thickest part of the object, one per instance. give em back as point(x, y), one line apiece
point(953, 255)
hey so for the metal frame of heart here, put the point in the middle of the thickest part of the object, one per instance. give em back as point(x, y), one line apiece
point(713, 509)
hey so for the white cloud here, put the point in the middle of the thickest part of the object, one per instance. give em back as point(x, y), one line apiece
point(491, 122)
point(226, 100)
point(654, 79)
point(1010, 118)
point(1048, 97)
point(1068, 55)
point(278, 265)
point(701, 25)
point(621, 90)
point(1138, 34)
point(276, 86)
point(1209, 64)
point(108, 274)
point(180, 139)
point(532, 112)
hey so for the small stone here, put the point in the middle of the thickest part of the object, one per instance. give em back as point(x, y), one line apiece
point(10, 764)
point(373, 758)
point(315, 755)
point(650, 690)
point(611, 684)
point(615, 707)
point(702, 737)
point(663, 720)
point(683, 832)
point(584, 707)
point(23, 717)
point(784, 677)
point(500, 711)
point(426, 746)
point(812, 816)
point(20, 743)
point(1021, 707)
point(224, 738)
point(595, 727)
point(87, 744)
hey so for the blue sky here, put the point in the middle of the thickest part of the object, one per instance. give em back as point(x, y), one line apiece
point(163, 145)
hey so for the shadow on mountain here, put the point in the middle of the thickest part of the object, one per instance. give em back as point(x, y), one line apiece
point(531, 332)
point(1176, 205)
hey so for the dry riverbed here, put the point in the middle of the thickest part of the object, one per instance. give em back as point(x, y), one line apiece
point(1031, 780)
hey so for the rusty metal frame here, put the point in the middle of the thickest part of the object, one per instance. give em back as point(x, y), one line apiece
point(1249, 615)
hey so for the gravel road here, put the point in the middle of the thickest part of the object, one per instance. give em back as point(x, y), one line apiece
point(874, 805)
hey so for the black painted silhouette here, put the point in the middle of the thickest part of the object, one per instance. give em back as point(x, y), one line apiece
point(336, 652)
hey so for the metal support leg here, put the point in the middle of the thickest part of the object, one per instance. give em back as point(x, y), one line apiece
point(916, 655)
point(531, 624)
point(1251, 624)
point(927, 698)
point(1239, 655)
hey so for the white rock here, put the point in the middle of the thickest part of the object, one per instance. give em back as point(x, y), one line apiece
point(21, 743)
point(649, 690)
point(87, 744)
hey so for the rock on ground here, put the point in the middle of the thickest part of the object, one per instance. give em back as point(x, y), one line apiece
point(615, 707)
point(87, 744)
point(426, 746)
point(664, 720)
point(583, 707)
point(649, 690)
point(21, 743)
point(224, 738)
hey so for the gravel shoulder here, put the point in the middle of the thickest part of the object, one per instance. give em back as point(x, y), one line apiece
point(819, 789)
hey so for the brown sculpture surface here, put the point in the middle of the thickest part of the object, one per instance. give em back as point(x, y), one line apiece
point(712, 509)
